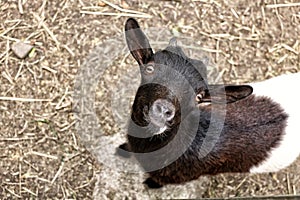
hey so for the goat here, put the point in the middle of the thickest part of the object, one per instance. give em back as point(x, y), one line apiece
point(181, 127)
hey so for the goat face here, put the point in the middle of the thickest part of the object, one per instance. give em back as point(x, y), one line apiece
point(169, 82)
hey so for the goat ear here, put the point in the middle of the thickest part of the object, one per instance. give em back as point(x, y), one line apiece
point(225, 94)
point(137, 42)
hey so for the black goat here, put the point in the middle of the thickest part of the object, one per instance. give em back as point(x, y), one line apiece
point(181, 127)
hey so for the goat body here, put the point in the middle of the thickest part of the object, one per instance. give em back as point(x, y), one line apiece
point(282, 91)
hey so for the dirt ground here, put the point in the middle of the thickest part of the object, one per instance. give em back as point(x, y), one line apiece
point(41, 153)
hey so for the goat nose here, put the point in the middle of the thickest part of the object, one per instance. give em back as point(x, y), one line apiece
point(163, 109)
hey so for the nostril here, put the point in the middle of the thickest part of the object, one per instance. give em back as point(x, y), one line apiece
point(169, 114)
point(158, 108)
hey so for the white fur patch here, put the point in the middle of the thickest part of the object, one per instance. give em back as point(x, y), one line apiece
point(285, 91)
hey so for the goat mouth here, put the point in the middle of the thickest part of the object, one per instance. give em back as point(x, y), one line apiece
point(160, 130)
point(157, 127)
point(154, 129)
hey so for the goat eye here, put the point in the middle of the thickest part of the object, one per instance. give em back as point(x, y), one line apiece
point(198, 98)
point(150, 69)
